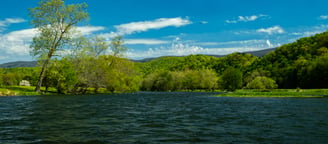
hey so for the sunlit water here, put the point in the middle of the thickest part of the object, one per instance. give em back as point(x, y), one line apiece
point(162, 118)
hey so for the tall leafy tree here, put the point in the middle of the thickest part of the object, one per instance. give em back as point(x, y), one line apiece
point(54, 21)
point(232, 79)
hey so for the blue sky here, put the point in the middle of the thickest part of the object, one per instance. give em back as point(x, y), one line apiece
point(153, 28)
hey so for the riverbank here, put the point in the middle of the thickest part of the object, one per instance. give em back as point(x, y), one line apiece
point(305, 93)
point(29, 91)
point(18, 91)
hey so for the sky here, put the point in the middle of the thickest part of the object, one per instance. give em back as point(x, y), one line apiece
point(153, 28)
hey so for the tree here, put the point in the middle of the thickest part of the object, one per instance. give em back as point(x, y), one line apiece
point(121, 77)
point(262, 83)
point(9, 79)
point(55, 23)
point(1, 74)
point(208, 79)
point(88, 65)
point(62, 76)
point(317, 73)
point(231, 79)
point(117, 46)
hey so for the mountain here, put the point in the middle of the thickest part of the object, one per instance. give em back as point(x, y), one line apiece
point(19, 64)
point(259, 53)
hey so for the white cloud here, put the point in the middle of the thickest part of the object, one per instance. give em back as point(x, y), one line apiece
point(145, 41)
point(256, 43)
point(208, 43)
point(323, 17)
point(14, 20)
point(269, 43)
point(309, 31)
point(185, 50)
point(17, 42)
point(246, 18)
point(144, 26)
point(203, 22)
point(182, 48)
point(87, 30)
point(271, 30)
point(15, 45)
point(8, 21)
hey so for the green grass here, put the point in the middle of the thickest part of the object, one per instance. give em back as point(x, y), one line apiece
point(17, 91)
point(278, 93)
point(29, 91)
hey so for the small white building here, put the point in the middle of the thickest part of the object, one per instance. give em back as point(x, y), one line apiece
point(24, 83)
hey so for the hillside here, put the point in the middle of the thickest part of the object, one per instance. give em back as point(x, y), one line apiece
point(259, 53)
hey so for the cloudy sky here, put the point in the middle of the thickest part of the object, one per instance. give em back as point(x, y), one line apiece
point(153, 28)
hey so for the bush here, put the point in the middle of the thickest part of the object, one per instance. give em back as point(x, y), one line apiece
point(262, 83)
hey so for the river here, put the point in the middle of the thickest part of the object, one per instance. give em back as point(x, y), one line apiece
point(148, 117)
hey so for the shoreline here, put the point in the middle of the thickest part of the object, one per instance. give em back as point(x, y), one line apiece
point(247, 93)
point(278, 93)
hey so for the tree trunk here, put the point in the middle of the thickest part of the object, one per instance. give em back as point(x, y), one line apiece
point(43, 70)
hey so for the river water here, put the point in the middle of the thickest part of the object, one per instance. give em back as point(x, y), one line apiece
point(162, 118)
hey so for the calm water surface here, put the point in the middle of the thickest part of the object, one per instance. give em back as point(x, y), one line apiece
point(162, 118)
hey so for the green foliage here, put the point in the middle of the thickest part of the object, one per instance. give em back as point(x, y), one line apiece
point(237, 60)
point(159, 81)
point(196, 62)
point(117, 46)
point(180, 80)
point(295, 65)
point(315, 73)
point(232, 79)
point(192, 62)
point(12, 76)
point(1, 75)
point(262, 83)
point(62, 76)
point(122, 76)
point(160, 64)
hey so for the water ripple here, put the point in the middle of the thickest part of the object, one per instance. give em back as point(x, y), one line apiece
point(162, 118)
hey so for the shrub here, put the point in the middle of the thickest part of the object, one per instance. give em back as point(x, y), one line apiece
point(262, 83)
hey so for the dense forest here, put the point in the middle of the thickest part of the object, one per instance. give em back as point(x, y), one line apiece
point(302, 64)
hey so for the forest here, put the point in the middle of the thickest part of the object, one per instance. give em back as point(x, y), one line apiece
point(73, 64)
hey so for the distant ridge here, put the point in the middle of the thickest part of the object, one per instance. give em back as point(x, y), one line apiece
point(259, 53)
point(19, 64)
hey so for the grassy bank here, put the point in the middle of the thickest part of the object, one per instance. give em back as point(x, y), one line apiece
point(17, 91)
point(29, 91)
point(278, 93)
